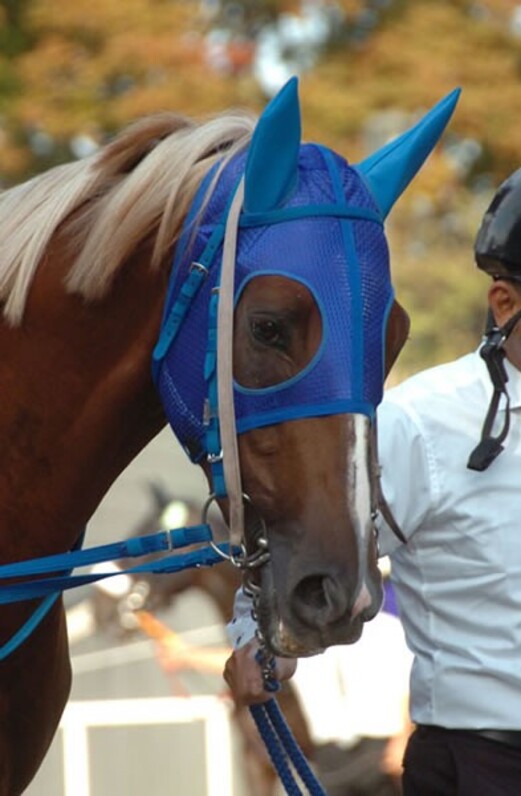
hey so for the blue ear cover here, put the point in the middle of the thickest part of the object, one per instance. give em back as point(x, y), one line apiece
point(271, 166)
point(388, 172)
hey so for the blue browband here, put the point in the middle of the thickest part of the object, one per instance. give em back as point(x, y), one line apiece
point(309, 211)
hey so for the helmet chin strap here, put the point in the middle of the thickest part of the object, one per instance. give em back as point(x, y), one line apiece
point(493, 353)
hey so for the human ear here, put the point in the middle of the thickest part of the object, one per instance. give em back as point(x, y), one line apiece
point(504, 300)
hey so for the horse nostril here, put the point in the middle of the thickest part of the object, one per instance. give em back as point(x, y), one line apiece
point(310, 591)
point(319, 597)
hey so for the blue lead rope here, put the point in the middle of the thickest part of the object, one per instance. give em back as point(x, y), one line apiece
point(283, 749)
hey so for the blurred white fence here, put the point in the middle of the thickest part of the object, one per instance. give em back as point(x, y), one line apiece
point(154, 746)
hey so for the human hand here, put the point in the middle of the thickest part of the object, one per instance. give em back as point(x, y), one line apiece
point(392, 758)
point(244, 676)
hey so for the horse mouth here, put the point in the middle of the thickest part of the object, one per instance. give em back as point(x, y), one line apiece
point(282, 641)
point(286, 636)
point(287, 645)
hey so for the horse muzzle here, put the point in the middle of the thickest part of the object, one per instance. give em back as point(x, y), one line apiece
point(316, 613)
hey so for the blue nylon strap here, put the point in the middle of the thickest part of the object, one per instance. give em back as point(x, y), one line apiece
point(339, 210)
point(51, 588)
point(129, 548)
point(37, 616)
point(277, 736)
point(172, 324)
point(275, 750)
point(292, 748)
point(29, 627)
point(283, 748)
point(205, 557)
point(199, 271)
point(197, 275)
point(213, 435)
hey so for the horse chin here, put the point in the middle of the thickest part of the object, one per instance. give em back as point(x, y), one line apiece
point(283, 642)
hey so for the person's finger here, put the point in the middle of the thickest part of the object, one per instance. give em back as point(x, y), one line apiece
point(243, 674)
point(244, 677)
point(285, 668)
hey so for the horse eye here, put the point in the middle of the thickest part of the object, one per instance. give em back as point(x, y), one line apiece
point(267, 331)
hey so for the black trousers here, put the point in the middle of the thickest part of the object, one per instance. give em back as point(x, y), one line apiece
point(440, 762)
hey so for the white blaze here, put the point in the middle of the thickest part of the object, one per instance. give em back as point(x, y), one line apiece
point(359, 497)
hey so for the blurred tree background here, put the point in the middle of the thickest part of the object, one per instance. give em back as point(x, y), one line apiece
point(73, 73)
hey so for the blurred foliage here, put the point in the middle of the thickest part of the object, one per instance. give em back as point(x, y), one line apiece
point(72, 73)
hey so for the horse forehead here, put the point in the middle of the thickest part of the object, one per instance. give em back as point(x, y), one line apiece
point(313, 184)
point(316, 183)
point(276, 290)
point(320, 251)
point(341, 257)
point(323, 178)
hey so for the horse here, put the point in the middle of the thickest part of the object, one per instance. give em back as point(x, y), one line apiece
point(90, 298)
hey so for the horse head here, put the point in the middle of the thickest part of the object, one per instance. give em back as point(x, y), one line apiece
point(315, 329)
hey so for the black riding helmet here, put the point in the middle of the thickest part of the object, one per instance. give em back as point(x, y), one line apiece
point(498, 242)
point(498, 252)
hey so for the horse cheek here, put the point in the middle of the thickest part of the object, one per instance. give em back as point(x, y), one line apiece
point(264, 476)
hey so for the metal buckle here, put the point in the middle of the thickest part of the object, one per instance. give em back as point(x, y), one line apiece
point(169, 541)
point(195, 266)
point(257, 559)
point(214, 458)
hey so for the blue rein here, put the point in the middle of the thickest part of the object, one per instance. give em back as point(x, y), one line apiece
point(130, 548)
point(59, 567)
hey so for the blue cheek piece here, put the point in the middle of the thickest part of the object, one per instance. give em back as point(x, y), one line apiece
point(329, 236)
point(176, 308)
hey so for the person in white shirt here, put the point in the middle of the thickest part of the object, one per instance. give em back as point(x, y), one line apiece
point(457, 499)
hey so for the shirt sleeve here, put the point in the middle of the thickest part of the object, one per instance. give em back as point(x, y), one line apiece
point(243, 626)
point(405, 472)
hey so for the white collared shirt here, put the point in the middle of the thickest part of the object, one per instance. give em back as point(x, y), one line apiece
point(458, 579)
point(355, 691)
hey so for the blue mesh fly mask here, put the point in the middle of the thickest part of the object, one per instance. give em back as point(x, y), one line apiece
point(306, 215)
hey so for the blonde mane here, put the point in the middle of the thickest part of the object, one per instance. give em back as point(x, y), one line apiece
point(140, 184)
